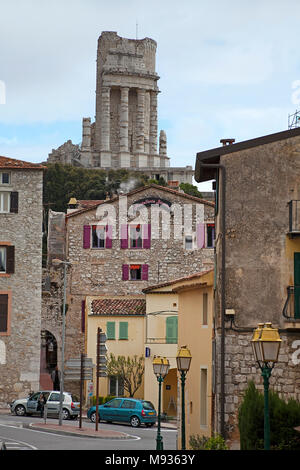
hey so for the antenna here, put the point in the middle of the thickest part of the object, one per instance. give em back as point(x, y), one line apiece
point(294, 120)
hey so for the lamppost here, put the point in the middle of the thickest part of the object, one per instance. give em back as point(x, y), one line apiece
point(183, 359)
point(266, 344)
point(161, 367)
point(58, 262)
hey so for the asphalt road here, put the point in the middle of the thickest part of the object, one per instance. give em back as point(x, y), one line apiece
point(16, 435)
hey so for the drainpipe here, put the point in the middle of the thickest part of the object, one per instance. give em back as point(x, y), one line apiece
point(223, 299)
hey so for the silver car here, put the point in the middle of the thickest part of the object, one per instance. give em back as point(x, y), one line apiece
point(29, 405)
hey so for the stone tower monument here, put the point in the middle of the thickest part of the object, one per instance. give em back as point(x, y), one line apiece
point(125, 133)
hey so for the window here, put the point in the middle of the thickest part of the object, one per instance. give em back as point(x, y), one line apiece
point(4, 177)
point(171, 330)
point(188, 242)
point(123, 330)
point(128, 404)
point(135, 272)
point(7, 259)
point(116, 388)
point(135, 236)
point(111, 330)
point(9, 202)
point(4, 201)
point(210, 235)
point(203, 397)
point(54, 397)
point(98, 236)
point(204, 309)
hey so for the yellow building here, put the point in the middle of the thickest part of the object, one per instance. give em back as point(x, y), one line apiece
point(122, 319)
point(195, 330)
point(178, 313)
point(161, 340)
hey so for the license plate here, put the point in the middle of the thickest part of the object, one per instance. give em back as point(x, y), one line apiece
point(151, 413)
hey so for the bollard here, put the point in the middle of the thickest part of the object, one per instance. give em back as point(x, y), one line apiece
point(3, 446)
point(45, 413)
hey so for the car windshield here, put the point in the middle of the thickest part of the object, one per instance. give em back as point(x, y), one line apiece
point(147, 405)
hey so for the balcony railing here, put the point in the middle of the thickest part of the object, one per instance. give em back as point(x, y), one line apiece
point(291, 309)
point(294, 218)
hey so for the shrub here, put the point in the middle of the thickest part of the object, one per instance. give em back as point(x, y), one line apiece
point(215, 442)
point(284, 416)
point(101, 400)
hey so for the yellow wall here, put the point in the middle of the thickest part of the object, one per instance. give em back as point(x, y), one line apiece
point(131, 347)
point(198, 338)
point(160, 304)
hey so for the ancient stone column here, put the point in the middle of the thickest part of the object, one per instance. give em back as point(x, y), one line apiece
point(86, 133)
point(163, 143)
point(140, 121)
point(153, 122)
point(124, 120)
point(105, 119)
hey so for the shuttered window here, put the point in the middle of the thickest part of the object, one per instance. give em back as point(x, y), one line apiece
point(171, 330)
point(111, 330)
point(123, 330)
point(7, 259)
point(3, 313)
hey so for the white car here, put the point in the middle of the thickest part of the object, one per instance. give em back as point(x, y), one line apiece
point(29, 405)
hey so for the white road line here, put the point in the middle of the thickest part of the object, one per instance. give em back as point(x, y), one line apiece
point(8, 442)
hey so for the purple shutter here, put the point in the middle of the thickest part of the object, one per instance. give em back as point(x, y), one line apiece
point(147, 236)
point(86, 236)
point(145, 269)
point(200, 235)
point(108, 237)
point(124, 236)
point(125, 272)
point(82, 316)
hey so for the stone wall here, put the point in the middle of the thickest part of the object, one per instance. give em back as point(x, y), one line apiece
point(20, 358)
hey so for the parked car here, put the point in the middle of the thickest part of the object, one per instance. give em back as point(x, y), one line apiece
point(125, 410)
point(29, 405)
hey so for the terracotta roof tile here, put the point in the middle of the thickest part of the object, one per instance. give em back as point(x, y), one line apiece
point(118, 307)
point(174, 281)
point(12, 163)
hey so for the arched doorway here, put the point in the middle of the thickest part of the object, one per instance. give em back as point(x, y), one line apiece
point(48, 359)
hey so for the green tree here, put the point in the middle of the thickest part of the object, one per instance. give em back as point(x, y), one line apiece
point(128, 369)
point(190, 189)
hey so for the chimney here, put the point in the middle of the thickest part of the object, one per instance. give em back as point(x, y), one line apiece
point(227, 141)
point(72, 205)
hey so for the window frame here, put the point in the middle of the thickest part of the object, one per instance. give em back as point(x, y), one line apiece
point(2, 172)
point(8, 312)
point(213, 234)
point(140, 238)
point(94, 228)
point(3, 192)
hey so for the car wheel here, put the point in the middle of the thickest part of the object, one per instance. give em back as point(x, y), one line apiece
point(65, 413)
point(20, 410)
point(93, 417)
point(135, 422)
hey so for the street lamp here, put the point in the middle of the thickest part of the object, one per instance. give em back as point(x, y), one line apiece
point(161, 367)
point(58, 262)
point(266, 344)
point(183, 359)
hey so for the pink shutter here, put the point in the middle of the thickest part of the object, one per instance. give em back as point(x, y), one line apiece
point(200, 235)
point(108, 236)
point(86, 236)
point(125, 272)
point(145, 269)
point(147, 236)
point(124, 236)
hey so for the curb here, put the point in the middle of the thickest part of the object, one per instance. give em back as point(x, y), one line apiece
point(83, 432)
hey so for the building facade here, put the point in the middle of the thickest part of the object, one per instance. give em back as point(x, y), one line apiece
point(21, 218)
point(125, 131)
point(119, 247)
point(257, 270)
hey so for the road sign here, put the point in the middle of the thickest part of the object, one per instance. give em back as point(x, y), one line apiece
point(73, 369)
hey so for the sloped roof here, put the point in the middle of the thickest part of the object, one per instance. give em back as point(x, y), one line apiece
point(175, 281)
point(141, 189)
point(112, 306)
point(13, 164)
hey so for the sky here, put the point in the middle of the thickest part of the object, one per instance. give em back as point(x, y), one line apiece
point(228, 69)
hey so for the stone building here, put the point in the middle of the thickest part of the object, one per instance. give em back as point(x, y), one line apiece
point(21, 217)
point(258, 244)
point(122, 245)
point(125, 131)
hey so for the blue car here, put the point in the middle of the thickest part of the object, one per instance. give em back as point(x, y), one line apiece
point(125, 410)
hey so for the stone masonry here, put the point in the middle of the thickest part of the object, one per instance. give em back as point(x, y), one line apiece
point(21, 229)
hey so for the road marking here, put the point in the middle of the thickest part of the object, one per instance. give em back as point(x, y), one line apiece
point(11, 444)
